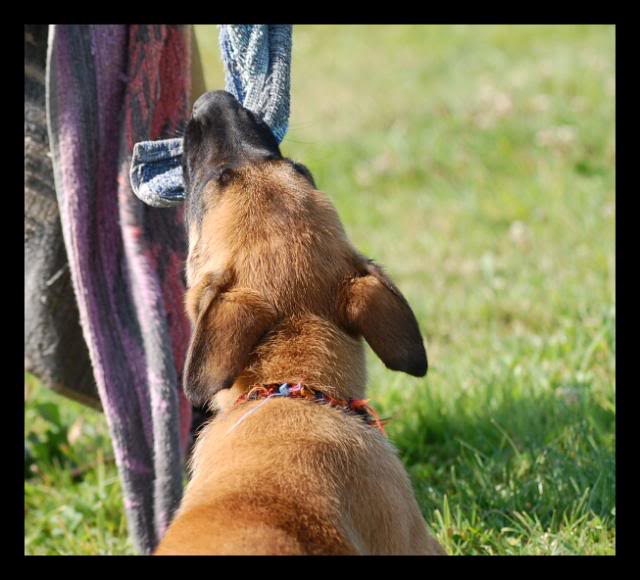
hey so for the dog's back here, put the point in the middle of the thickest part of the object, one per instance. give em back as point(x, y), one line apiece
point(297, 477)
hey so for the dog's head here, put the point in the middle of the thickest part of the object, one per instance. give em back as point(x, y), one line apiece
point(265, 246)
point(221, 138)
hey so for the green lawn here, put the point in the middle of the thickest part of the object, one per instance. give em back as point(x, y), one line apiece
point(477, 164)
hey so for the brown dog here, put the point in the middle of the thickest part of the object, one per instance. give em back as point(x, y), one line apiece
point(277, 294)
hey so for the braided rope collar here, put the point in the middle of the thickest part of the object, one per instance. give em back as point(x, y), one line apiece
point(354, 406)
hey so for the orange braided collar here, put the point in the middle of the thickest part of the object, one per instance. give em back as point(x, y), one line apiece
point(358, 406)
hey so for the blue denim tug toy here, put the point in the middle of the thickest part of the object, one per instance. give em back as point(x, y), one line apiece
point(257, 59)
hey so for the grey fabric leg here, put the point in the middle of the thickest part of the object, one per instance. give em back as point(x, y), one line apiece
point(55, 350)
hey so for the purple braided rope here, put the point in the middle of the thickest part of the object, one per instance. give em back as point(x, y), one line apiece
point(125, 258)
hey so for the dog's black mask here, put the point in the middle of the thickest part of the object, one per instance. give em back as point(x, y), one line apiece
point(221, 136)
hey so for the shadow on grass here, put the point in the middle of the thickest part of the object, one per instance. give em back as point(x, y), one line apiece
point(510, 463)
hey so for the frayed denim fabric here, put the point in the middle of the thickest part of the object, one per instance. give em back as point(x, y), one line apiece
point(257, 62)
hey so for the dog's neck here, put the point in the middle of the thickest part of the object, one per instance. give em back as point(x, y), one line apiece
point(332, 382)
point(311, 350)
point(300, 391)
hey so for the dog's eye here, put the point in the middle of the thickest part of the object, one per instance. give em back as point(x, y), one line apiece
point(302, 170)
point(225, 176)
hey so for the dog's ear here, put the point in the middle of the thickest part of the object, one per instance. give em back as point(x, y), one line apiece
point(227, 329)
point(375, 308)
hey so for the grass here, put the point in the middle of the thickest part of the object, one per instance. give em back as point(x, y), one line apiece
point(478, 165)
point(73, 502)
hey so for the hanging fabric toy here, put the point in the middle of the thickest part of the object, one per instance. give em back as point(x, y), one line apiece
point(257, 59)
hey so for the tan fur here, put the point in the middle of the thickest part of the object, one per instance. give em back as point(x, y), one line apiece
point(278, 294)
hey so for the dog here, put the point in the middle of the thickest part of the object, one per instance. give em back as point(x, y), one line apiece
point(278, 296)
